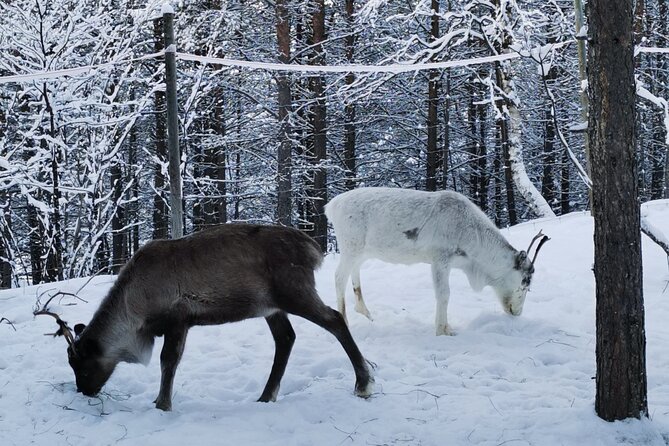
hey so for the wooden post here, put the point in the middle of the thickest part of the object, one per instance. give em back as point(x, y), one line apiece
point(176, 209)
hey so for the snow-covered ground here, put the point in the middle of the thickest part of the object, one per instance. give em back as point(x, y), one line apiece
point(501, 380)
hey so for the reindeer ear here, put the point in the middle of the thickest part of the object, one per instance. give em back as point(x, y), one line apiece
point(79, 328)
point(521, 257)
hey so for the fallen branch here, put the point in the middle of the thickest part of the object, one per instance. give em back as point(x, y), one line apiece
point(655, 235)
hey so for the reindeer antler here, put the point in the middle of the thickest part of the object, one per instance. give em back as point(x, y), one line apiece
point(63, 328)
point(544, 239)
point(539, 235)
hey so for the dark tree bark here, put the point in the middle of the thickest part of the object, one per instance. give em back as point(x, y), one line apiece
point(284, 184)
point(548, 178)
point(432, 156)
point(349, 108)
point(160, 210)
point(132, 216)
point(318, 196)
point(5, 237)
point(213, 209)
point(497, 200)
point(621, 368)
point(659, 149)
point(478, 178)
point(482, 158)
point(565, 184)
point(503, 132)
point(54, 255)
point(445, 152)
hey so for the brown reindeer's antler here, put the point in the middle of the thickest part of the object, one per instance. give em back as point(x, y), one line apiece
point(64, 329)
point(544, 239)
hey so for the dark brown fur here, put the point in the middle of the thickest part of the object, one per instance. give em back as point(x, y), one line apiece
point(223, 274)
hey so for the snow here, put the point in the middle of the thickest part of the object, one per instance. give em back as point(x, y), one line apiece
point(501, 380)
point(167, 9)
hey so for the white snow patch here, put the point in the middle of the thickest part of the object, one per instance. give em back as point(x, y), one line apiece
point(500, 380)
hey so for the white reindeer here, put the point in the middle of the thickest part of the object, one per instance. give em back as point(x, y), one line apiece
point(443, 229)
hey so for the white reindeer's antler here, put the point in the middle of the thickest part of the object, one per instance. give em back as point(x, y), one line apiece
point(544, 239)
point(539, 235)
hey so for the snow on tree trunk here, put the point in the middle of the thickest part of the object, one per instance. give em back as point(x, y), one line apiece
point(524, 185)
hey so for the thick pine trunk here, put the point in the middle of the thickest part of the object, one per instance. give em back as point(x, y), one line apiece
point(318, 196)
point(621, 368)
point(284, 204)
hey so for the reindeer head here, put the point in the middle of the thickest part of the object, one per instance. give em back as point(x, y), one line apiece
point(84, 354)
point(520, 278)
point(86, 358)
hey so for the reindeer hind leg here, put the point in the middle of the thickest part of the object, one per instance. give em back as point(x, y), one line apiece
point(331, 320)
point(360, 306)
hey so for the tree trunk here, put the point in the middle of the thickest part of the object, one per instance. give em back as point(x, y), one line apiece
point(432, 155)
point(524, 185)
point(54, 255)
point(160, 211)
point(284, 207)
point(132, 216)
point(548, 179)
point(473, 150)
point(319, 194)
point(35, 240)
point(621, 369)
point(445, 151)
point(482, 159)
point(5, 246)
point(664, 19)
point(119, 243)
point(503, 132)
point(565, 184)
point(497, 200)
point(349, 108)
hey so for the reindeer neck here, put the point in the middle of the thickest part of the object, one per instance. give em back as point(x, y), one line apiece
point(492, 258)
point(116, 331)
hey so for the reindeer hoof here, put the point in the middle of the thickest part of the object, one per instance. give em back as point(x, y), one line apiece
point(268, 396)
point(163, 405)
point(365, 390)
point(445, 331)
point(362, 309)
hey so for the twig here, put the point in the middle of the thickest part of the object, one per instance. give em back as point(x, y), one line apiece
point(553, 341)
point(4, 319)
point(493, 406)
point(125, 434)
point(349, 435)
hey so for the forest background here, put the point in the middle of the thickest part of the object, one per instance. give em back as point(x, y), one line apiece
point(83, 158)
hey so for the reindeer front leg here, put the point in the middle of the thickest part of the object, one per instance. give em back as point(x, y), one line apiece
point(440, 273)
point(173, 348)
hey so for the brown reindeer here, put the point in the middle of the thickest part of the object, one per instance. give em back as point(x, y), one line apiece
point(224, 274)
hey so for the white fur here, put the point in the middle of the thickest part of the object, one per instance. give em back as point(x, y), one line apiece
point(443, 229)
